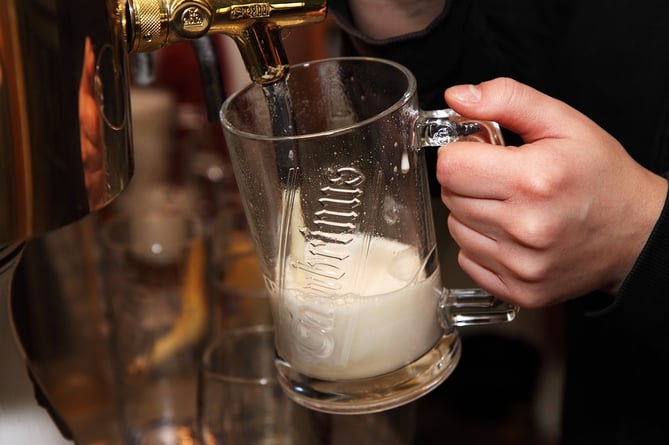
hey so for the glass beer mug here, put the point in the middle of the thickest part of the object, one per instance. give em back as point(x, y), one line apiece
point(331, 167)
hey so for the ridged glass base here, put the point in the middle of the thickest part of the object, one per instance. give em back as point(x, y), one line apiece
point(374, 394)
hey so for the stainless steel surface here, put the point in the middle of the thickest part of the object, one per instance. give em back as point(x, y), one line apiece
point(65, 137)
point(22, 420)
point(64, 133)
point(255, 27)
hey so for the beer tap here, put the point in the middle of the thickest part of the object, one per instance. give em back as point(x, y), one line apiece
point(254, 26)
point(59, 60)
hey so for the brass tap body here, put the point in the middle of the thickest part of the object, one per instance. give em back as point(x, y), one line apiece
point(255, 27)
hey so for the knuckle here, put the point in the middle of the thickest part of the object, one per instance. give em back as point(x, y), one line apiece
point(542, 183)
point(508, 89)
point(449, 165)
point(532, 272)
point(517, 293)
point(527, 266)
point(537, 232)
point(525, 295)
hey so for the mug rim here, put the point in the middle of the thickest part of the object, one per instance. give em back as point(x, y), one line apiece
point(409, 92)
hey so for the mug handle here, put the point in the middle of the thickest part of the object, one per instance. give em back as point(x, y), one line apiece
point(463, 307)
point(440, 127)
point(468, 307)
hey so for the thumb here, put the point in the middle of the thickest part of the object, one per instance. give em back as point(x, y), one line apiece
point(517, 107)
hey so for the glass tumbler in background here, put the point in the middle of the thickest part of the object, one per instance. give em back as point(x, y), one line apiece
point(241, 402)
point(154, 269)
point(239, 296)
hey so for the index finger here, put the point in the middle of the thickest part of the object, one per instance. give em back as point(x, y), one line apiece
point(478, 170)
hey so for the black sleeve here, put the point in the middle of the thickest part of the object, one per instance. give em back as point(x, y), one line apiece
point(469, 42)
point(643, 295)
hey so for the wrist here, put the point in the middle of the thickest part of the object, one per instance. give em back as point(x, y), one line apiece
point(656, 222)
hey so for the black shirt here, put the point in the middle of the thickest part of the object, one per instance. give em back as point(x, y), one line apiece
point(610, 60)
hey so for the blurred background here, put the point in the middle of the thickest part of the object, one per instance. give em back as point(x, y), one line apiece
point(506, 389)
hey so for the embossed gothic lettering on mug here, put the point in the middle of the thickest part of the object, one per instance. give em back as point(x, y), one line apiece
point(339, 211)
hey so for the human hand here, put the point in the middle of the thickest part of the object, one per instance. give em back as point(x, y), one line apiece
point(563, 215)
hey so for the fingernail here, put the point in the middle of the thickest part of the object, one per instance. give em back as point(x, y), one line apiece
point(465, 93)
